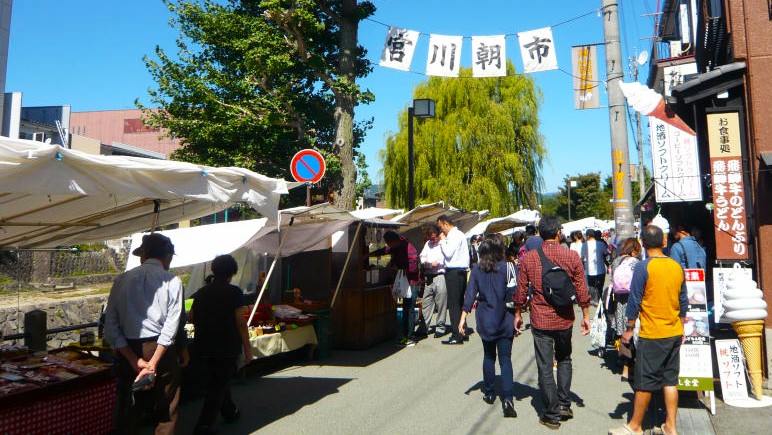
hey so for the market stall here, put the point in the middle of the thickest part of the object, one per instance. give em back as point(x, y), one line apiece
point(63, 391)
point(312, 258)
point(54, 197)
point(502, 224)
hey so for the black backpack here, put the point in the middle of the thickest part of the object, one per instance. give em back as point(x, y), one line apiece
point(558, 289)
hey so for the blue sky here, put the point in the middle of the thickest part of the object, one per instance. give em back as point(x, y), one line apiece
point(88, 54)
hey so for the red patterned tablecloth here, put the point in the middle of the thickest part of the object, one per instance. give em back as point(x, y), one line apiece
point(86, 409)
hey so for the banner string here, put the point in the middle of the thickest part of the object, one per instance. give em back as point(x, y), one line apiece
point(594, 11)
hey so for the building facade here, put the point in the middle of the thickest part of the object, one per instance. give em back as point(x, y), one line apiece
point(712, 60)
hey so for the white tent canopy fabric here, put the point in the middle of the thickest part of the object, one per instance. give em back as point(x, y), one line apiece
point(52, 196)
point(497, 225)
point(585, 224)
point(202, 243)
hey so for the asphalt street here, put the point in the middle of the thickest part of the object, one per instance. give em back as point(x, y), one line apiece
point(429, 388)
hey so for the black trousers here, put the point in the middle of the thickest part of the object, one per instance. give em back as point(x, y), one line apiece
point(455, 281)
point(217, 375)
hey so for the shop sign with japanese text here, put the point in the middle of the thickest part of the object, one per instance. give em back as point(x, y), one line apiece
point(731, 370)
point(675, 163)
point(726, 168)
point(696, 372)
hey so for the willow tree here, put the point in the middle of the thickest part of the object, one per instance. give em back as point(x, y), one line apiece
point(482, 150)
point(254, 81)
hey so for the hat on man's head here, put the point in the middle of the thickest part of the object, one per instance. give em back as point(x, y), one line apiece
point(154, 245)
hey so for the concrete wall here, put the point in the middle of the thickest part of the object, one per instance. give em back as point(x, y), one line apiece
point(58, 314)
point(752, 43)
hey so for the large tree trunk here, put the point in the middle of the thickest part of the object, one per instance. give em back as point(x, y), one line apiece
point(344, 106)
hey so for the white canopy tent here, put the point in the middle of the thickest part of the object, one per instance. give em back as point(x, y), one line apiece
point(501, 224)
point(298, 229)
point(426, 214)
point(585, 224)
point(52, 196)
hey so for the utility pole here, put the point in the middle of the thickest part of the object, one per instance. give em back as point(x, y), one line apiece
point(620, 155)
point(641, 176)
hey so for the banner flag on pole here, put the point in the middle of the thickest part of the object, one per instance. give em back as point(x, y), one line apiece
point(399, 48)
point(489, 56)
point(444, 56)
point(586, 93)
point(538, 50)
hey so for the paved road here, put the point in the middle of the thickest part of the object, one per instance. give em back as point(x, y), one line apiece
point(427, 389)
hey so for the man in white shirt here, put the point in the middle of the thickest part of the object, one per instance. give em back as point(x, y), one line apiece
point(141, 322)
point(594, 259)
point(435, 291)
point(455, 251)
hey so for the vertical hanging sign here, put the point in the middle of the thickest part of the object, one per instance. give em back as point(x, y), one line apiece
point(675, 163)
point(726, 169)
point(583, 59)
point(444, 56)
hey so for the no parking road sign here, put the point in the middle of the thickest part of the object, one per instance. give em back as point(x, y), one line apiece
point(307, 166)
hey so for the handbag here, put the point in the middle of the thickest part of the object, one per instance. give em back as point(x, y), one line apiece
point(401, 286)
point(509, 294)
point(598, 329)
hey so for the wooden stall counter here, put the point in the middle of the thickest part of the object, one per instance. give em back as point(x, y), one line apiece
point(364, 317)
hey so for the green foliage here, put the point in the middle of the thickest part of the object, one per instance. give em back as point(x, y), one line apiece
point(363, 178)
point(587, 198)
point(255, 81)
point(483, 150)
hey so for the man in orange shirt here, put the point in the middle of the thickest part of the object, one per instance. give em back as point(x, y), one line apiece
point(658, 298)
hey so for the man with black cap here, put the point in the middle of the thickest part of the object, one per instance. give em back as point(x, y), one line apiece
point(141, 320)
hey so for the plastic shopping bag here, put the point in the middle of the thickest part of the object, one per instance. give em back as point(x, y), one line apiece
point(401, 286)
point(598, 329)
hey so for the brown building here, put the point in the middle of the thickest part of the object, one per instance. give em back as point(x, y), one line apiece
point(121, 128)
point(712, 60)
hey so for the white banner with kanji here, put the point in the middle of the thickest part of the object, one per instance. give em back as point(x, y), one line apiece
point(675, 163)
point(399, 48)
point(489, 56)
point(444, 58)
point(538, 50)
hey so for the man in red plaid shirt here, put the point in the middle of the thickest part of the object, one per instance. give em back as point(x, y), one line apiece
point(552, 327)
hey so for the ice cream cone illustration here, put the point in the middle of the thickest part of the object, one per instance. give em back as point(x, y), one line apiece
point(749, 333)
point(649, 103)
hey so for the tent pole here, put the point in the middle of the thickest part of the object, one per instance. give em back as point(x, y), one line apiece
point(267, 277)
point(345, 265)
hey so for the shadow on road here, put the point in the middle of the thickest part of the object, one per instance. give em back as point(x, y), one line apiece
point(265, 400)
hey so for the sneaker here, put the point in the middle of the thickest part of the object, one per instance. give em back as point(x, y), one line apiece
point(566, 413)
point(421, 332)
point(409, 343)
point(440, 334)
point(489, 399)
point(554, 425)
point(402, 341)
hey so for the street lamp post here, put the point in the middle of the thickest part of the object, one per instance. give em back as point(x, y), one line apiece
point(571, 183)
point(422, 108)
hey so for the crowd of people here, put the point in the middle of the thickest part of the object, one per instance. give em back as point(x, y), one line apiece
point(501, 282)
point(450, 277)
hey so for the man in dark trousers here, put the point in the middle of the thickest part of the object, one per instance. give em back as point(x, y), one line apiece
point(220, 318)
point(141, 320)
point(456, 252)
point(551, 326)
point(594, 259)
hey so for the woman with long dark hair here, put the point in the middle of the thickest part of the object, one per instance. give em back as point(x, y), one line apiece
point(495, 323)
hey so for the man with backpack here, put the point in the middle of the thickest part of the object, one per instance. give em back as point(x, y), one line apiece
point(557, 276)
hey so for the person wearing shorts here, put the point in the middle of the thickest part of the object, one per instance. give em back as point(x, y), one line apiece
point(658, 299)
